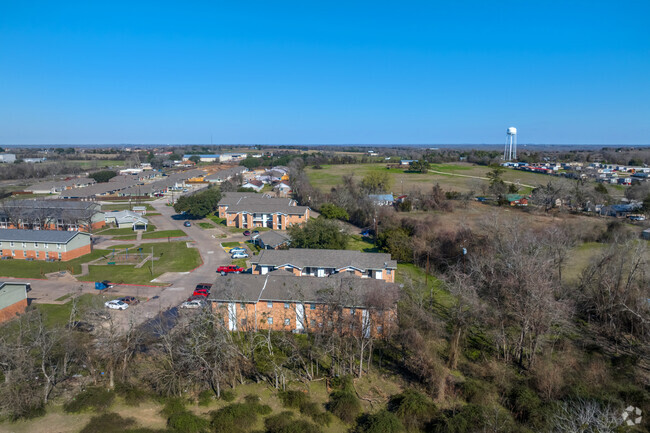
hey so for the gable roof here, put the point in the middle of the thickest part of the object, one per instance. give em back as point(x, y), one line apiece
point(273, 238)
point(346, 291)
point(336, 259)
point(46, 236)
point(267, 208)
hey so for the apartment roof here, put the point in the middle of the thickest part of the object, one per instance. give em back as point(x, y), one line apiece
point(267, 208)
point(45, 236)
point(336, 259)
point(346, 291)
point(273, 238)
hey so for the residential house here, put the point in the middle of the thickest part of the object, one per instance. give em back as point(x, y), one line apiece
point(203, 158)
point(271, 240)
point(273, 215)
point(43, 244)
point(225, 175)
point(42, 214)
point(283, 189)
point(254, 184)
point(287, 303)
point(381, 199)
point(516, 200)
point(8, 158)
point(241, 198)
point(126, 219)
point(324, 263)
point(13, 299)
point(56, 186)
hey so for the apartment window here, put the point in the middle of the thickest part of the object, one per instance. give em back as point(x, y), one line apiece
point(312, 306)
point(35, 244)
point(13, 253)
point(269, 305)
point(24, 244)
point(388, 271)
point(243, 322)
point(312, 323)
point(352, 311)
point(379, 329)
point(269, 320)
point(58, 246)
point(47, 246)
point(38, 254)
point(11, 244)
point(287, 305)
point(59, 256)
point(287, 322)
point(242, 306)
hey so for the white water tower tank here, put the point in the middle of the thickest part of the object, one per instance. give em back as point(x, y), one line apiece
point(512, 131)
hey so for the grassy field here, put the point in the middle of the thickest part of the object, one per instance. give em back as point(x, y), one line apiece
point(206, 225)
point(230, 244)
point(415, 278)
point(172, 257)
point(59, 314)
point(38, 268)
point(164, 234)
point(449, 176)
point(126, 206)
point(359, 243)
point(123, 231)
point(98, 163)
point(372, 387)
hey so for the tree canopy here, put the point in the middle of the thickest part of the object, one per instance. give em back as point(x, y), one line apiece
point(103, 176)
point(200, 204)
point(377, 182)
point(332, 211)
point(319, 233)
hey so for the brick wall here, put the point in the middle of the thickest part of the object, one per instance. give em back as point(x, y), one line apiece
point(54, 254)
point(10, 312)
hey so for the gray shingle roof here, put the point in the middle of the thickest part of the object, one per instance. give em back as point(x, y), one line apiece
point(273, 238)
point(347, 291)
point(267, 208)
point(337, 259)
point(49, 236)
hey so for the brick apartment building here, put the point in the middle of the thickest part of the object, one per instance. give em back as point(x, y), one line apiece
point(43, 244)
point(249, 210)
point(325, 263)
point(51, 215)
point(13, 299)
point(288, 303)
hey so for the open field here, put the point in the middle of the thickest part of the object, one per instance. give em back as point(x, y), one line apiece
point(461, 177)
point(59, 314)
point(171, 257)
point(38, 268)
point(123, 231)
point(164, 234)
point(97, 163)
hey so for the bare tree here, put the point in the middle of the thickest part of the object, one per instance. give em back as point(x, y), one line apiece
point(579, 416)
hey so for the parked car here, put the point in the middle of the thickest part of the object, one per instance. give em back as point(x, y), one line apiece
point(203, 293)
point(230, 269)
point(116, 304)
point(131, 300)
point(206, 286)
point(256, 232)
point(247, 233)
point(80, 326)
point(237, 250)
point(187, 224)
point(239, 256)
point(195, 303)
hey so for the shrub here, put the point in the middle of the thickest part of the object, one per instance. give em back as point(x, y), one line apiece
point(205, 397)
point(187, 422)
point(131, 394)
point(412, 408)
point(233, 418)
point(322, 418)
point(294, 399)
point(478, 392)
point(344, 404)
point(284, 423)
point(380, 422)
point(264, 409)
point(93, 398)
point(252, 399)
point(172, 406)
point(107, 423)
point(228, 396)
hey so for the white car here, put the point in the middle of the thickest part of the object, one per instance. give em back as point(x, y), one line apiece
point(239, 256)
point(197, 303)
point(237, 250)
point(116, 304)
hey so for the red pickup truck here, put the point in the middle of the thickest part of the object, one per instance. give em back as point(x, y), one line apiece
point(223, 270)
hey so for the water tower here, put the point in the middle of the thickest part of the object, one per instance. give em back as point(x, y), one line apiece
point(510, 151)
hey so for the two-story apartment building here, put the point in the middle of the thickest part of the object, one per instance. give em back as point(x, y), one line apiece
point(324, 263)
point(13, 299)
point(51, 215)
point(43, 244)
point(250, 210)
point(287, 303)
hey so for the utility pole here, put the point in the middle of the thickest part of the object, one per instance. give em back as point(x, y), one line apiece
point(152, 260)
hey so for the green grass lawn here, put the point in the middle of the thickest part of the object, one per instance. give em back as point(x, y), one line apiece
point(38, 268)
point(217, 220)
point(164, 234)
point(205, 225)
point(173, 257)
point(126, 206)
point(230, 244)
point(98, 163)
point(359, 243)
point(240, 262)
point(59, 314)
point(442, 299)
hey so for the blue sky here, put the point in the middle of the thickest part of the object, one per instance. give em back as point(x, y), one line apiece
point(310, 72)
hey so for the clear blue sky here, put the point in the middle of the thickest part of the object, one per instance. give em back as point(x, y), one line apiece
point(310, 72)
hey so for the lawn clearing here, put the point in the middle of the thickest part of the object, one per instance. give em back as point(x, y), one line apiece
point(122, 231)
point(171, 257)
point(359, 243)
point(164, 234)
point(38, 268)
point(230, 244)
point(415, 278)
point(59, 314)
point(206, 225)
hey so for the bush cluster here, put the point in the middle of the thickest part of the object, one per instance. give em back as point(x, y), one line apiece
point(94, 398)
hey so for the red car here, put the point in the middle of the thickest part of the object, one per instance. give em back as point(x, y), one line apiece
point(230, 269)
point(131, 300)
point(201, 292)
point(247, 233)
